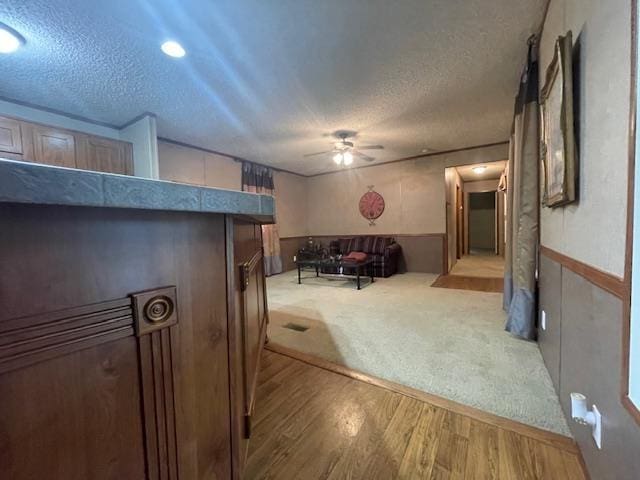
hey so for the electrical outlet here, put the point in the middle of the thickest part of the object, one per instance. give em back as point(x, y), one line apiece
point(543, 320)
point(597, 427)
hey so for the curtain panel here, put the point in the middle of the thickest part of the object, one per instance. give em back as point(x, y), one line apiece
point(523, 206)
point(259, 179)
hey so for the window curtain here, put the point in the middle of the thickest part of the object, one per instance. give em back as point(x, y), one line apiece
point(520, 289)
point(259, 179)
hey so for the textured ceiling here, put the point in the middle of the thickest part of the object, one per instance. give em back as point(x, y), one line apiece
point(493, 171)
point(267, 80)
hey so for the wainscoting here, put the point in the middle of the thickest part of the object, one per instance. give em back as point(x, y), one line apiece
point(582, 349)
point(423, 253)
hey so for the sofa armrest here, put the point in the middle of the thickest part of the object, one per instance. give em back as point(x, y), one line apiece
point(392, 250)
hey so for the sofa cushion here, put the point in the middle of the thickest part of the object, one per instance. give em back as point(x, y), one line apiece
point(344, 245)
point(356, 245)
point(380, 243)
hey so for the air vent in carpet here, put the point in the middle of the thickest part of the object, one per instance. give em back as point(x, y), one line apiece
point(296, 327)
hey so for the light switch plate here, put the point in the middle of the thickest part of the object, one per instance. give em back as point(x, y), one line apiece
point(543, 320)
point(597, 427)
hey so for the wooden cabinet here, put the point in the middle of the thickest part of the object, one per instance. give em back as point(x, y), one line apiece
point(51, 146)
point(105, 155)
point(122, 358)
point(10, 136)
point(63, 148)
point(248, 332)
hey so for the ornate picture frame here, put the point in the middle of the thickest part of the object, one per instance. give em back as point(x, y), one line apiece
point(557, 137)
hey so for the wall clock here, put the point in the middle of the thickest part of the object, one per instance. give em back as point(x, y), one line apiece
point(371, 205)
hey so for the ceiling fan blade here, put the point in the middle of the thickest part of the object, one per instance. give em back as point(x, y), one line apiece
point(318, 153)
point(370, 147)
point(363, 156)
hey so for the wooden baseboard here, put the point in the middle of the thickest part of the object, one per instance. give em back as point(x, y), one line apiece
point(551, 438)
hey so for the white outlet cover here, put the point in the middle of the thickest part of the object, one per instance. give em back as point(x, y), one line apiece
point(543, 320)
point(597, 428)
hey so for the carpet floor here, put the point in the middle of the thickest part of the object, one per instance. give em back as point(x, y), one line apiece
point(480, 264)
point(449, 343)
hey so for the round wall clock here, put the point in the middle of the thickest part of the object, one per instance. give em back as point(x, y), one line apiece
point(371, 205)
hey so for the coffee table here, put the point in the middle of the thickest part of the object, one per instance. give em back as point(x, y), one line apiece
point(359, 269)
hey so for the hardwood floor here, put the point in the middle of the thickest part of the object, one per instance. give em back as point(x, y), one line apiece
point(311, 423)
point(478, 284)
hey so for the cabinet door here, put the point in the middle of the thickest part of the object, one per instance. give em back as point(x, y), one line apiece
point(248, 328)
point(51, 146)
point(10, 136)
point(105, 155)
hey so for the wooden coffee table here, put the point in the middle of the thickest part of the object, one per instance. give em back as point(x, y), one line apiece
point(359, 269)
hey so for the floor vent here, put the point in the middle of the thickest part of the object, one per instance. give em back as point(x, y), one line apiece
point(296, 327)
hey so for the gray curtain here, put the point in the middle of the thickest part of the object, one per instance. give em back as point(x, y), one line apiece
point(520, 289)
point(259, 179)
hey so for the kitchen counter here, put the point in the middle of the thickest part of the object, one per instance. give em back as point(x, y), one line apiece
point(30, 183)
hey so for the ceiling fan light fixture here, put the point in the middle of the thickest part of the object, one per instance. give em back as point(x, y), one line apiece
point(338, 158)
point(347, 158)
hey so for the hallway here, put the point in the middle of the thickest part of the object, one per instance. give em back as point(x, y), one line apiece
point(480, 263)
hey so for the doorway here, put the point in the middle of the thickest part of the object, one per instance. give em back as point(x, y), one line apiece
point(482, 223)
point(476, 220)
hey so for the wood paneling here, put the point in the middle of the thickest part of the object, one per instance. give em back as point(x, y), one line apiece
point(606, 281)
point(10, 136)
point(378, 433)
point(81, 395)
point(248, 332)
point(421, 252)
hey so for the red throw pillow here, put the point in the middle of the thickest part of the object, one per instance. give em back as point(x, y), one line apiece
point(355, 257)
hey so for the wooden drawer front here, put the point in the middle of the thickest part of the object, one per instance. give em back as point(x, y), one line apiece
point(10, 136)
point(104, 155)
point(54, 147)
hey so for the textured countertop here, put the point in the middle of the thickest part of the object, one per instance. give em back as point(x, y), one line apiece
point(23, 182)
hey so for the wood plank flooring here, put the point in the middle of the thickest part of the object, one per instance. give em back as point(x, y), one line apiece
point(311, 423)
point(478, 284)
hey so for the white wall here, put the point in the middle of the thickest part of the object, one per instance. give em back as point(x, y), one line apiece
point(143, 135)
point(291, 204)
point(190, 165)
point(413, 192)
point(593, 230)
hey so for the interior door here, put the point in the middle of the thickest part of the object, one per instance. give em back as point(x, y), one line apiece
point(459, 223)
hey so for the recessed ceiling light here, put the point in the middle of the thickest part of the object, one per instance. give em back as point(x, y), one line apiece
point(10, 40)
point(173, 49)
point(479, 170)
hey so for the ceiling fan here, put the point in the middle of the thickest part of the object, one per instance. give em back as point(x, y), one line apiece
point(344, 150)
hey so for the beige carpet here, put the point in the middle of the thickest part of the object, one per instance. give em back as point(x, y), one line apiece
point(481, 264)
point(446, 342)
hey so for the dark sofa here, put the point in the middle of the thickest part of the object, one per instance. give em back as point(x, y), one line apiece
point(384, 251)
